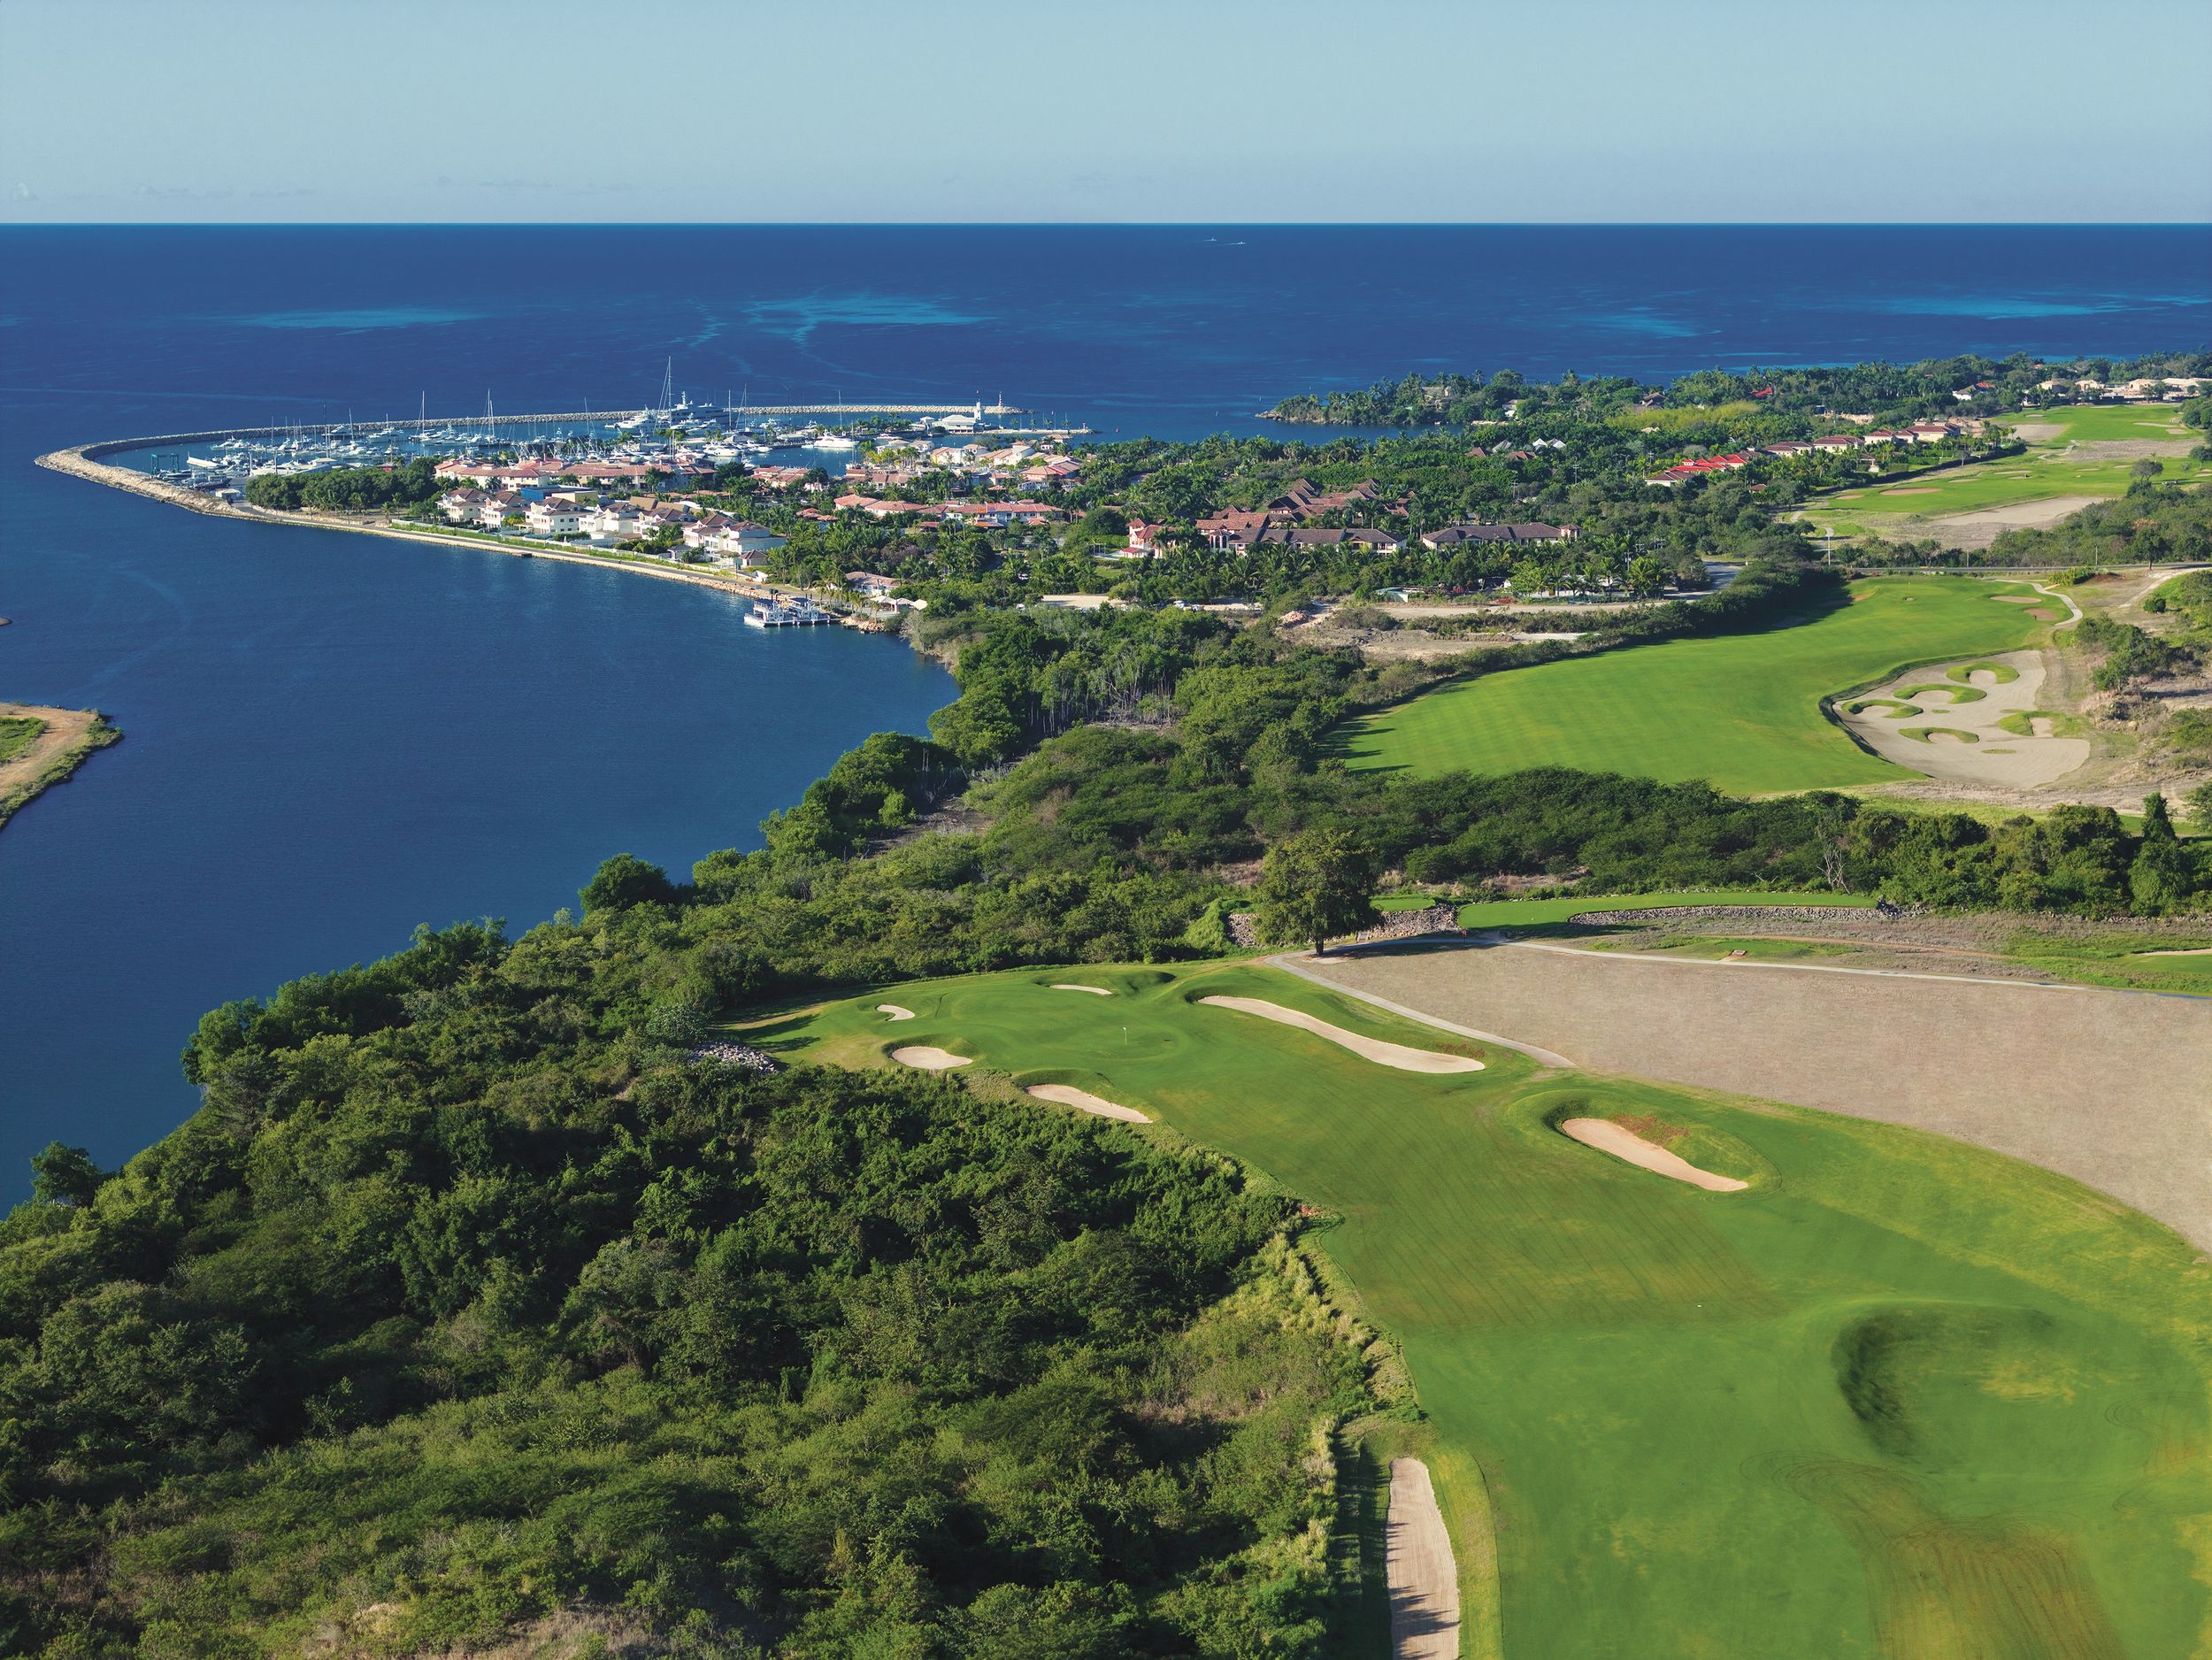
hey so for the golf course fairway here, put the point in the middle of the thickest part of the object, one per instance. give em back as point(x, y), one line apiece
point(1898, 1397)
point(1741, 710)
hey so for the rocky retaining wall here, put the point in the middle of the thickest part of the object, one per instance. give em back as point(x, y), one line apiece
point(1735, 913)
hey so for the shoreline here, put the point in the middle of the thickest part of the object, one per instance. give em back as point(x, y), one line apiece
point(77, 461)
point(51, 757)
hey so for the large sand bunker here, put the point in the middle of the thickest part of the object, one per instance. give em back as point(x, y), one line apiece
point(1069, 985)
point(928, 1057)
point(895, 1011)
point(1419, 1569)
point(1084, 1101)
point(1397, 1055)
point(1974, 718)
point(1625, 1143)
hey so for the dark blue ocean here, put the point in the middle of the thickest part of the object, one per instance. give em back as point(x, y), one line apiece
point(333, 738)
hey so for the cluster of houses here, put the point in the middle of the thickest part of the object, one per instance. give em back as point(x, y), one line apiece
point(1924, 433)
point(2148, 389)
point(579, 515)
point(1282, 522)
point(982, 515)
point(900, 461)
point(520, 474)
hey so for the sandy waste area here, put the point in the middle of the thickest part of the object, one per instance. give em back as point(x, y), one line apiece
point(1418, 1568)
point(1624, 1143)
point(928, 1057)
point(1987, 754)
point(1397, 1055)
point(1084, 1101)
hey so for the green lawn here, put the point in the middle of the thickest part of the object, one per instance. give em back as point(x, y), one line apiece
point(2051, 467)
point(17, 733)
point(1741, 710)
point(1901, 1398)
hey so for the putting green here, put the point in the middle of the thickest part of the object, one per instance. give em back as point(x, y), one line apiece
point(1741, 710)
point(1901, 1397)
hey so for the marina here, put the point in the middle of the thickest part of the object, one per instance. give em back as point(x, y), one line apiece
point(789, 614)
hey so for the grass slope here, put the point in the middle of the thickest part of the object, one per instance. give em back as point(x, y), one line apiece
point(1741, 710)
point(2055, 465)
point(1902, 1398)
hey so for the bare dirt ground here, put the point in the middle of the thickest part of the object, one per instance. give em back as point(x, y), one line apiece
point(1624, 1143)
point(1084, 1101)
point(1397, 1055)
point(1419, 1569)
point(64, 728)
point(69, 737)
point(2108, 1087)
point(1984, 525)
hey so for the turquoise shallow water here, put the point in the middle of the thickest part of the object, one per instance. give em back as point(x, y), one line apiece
point(331, 738)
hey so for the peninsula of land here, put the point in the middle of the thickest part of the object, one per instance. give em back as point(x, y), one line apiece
point(41, 746)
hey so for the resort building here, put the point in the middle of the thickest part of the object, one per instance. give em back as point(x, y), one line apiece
point(1512, 535)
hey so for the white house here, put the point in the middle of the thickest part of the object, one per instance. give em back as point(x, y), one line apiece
point(745, 542)
point(553, 518)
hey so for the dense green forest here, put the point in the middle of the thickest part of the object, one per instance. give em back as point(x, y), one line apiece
point(473, 1302)
point(348, 489)
point(1892, 392)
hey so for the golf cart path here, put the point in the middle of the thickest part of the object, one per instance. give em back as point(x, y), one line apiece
point(1418, 1568)
point(2105, 1086)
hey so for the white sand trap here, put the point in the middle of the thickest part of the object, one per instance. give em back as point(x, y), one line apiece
point(1609, 1137)
point(1084, 1101)
point(928, 1057)
point(2194, 950)
point(1406, 1060)
point(1069, 985)
point(1990, 755)
point(895, 1011)
point(1418, 1568)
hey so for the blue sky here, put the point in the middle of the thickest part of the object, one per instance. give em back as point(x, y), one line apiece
point(256, 111)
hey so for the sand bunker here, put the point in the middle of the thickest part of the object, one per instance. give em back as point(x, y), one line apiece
point(1419, 1569)
point(895, 1011)
point(1609, 1137)
point(1997, 712)
point(1397, 1055)
point(928, 1057)
point(2192, 951)
point(1083, 1099)
point(1068, 985)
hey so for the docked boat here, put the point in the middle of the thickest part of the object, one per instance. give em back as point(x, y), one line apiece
point(796, 613)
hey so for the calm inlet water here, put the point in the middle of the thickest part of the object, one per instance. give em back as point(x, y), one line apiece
point(332, 739)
